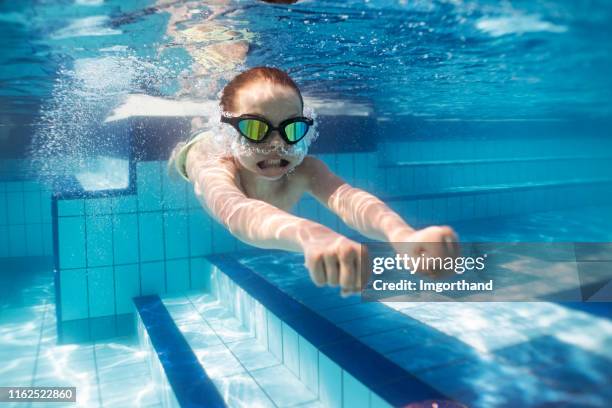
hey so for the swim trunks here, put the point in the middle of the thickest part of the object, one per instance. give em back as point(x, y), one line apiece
point(181, 157)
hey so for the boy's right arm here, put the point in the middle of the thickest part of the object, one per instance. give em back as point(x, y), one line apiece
point(330, 257)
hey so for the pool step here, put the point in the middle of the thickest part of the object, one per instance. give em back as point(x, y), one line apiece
point(240, 363)
point(273, 353)
point(327, 357)
point(181, 380)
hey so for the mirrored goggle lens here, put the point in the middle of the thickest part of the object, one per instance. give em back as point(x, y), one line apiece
point(296, 131)
point(253, 129)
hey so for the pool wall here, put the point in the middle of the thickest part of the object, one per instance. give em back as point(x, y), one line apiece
point(25, 219)
point(150, 238)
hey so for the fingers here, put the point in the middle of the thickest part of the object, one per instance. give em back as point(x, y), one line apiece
point(347, 273)
point(317, 272)
point(332, 269)
point(338, 265)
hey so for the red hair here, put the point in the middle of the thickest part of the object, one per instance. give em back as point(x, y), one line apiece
point(269, 74)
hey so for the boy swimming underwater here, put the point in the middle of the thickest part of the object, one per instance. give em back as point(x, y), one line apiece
point(249, 179)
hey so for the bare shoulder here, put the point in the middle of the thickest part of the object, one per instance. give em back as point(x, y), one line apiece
point(202, 160)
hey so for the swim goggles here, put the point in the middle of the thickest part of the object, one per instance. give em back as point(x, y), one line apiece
point(256, 129)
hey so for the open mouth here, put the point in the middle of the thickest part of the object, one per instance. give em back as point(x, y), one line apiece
point(272, 163)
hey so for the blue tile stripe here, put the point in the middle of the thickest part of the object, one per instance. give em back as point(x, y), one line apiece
point(383, 376)
point(190, 383)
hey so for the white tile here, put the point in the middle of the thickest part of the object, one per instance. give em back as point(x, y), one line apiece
point(253, 355)
point(219, 362)
point(282, 386)
point(291, 357)
point(330, 382)
point(242, 391)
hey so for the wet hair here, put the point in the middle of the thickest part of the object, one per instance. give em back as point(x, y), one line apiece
point(253, 75)
point(280, 1)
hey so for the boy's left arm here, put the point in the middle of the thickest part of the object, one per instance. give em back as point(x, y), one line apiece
point(367, 214)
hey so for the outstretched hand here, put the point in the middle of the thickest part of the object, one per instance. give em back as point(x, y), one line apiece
point(433, 242)
point(334, 260)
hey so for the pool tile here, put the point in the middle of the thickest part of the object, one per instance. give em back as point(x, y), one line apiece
point(354, 393)
point(3, 209)
point(71, 242)
point(261, 324)
point(198, 334)
point(200, 270)
point(34, 239)
point(152, 278)
point(183, 314)
point(227, 327)
point(151, 236)
point(98, 206)
point(148, 185)
point(15, 208)
point(132, 393)
point(4, 241)
point(177, 275)
point(70, 207)
point(176, 234)
point(388, 321)
point(330, 382)
point(378, 402)
point(282, 386)
point(124, 204)
point(73, 294)
point(432, 355)
point(275, 336)
point(219, 362)
point(309, 365)
point(174, 191)
point(17, 240)
point(127, 286)
point(99, 232)
point(101, 291)
point(241, 391)
point(222, 240)
point(355, 311)
point(291, 356)
point(200, 233)
point(125, 238)
point(253, 355)
point(32, 207)
point(346, 167)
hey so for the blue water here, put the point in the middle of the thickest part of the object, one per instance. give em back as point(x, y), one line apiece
point(456, 89)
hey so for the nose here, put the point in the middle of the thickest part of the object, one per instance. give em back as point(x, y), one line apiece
point(276, 140)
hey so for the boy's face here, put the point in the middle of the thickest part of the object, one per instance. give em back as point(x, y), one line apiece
point(276, 103)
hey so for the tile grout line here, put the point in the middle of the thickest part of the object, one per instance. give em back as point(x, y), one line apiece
point(112, 228)
point(163, 211)
point(95, 359)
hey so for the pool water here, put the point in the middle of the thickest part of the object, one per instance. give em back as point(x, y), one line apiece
point(490, 117)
